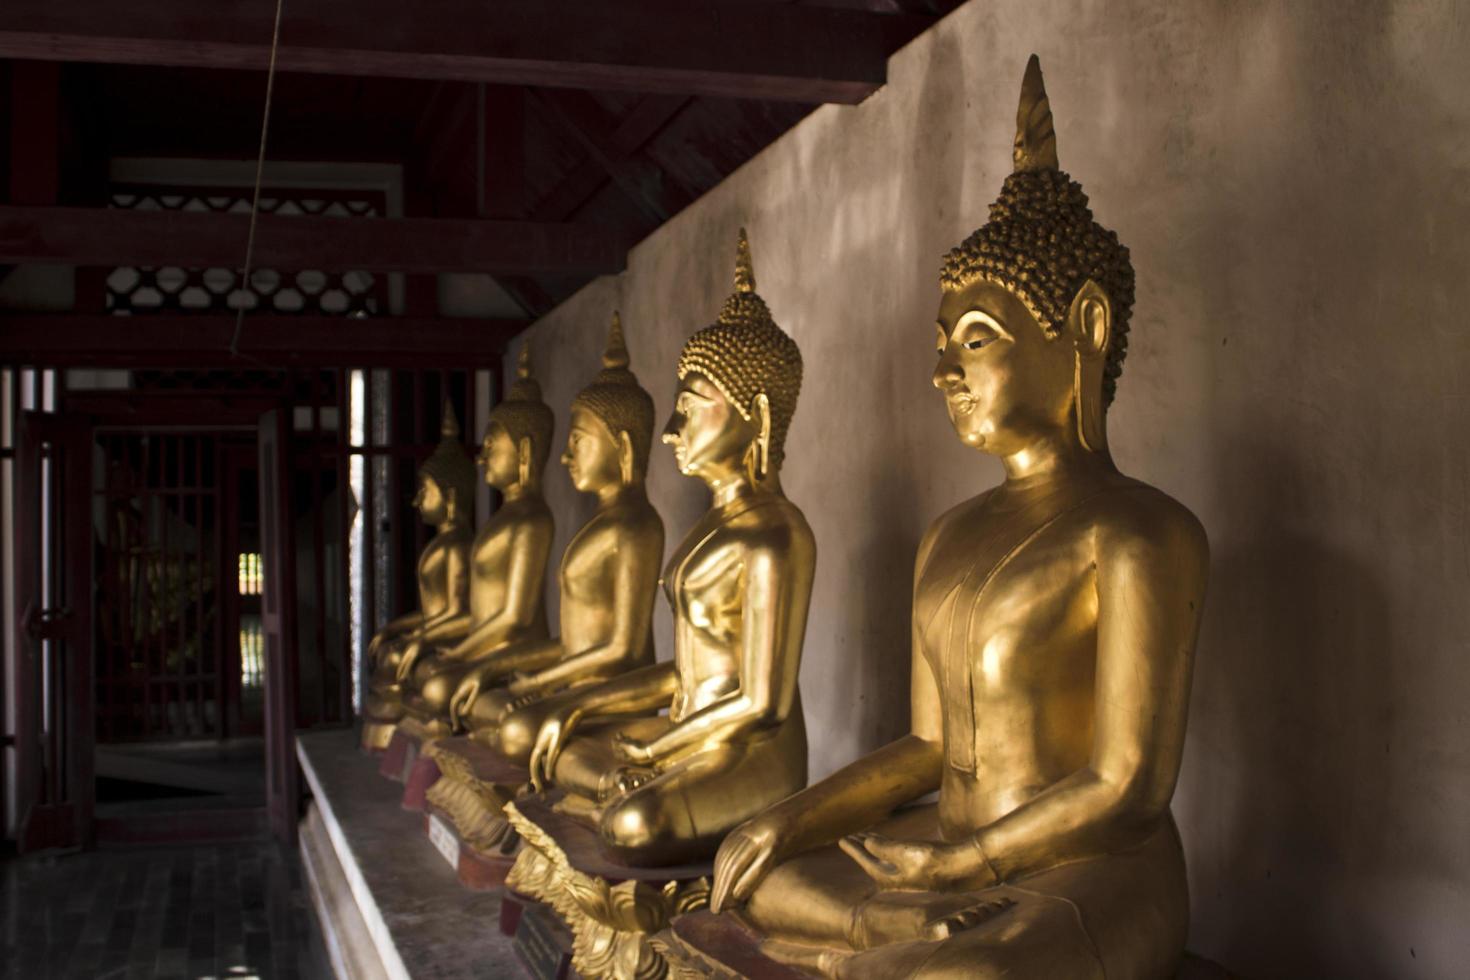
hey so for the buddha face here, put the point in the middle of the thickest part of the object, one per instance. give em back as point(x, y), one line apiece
point(432, 504)
point(499, 457)
point(1005, 383)
point(709, 436)
point(591, 457)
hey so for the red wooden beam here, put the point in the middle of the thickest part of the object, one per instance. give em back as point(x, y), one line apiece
point(501, 152)
point(112, 236)
point(35, 133)
point(734, 50)
point(182, 340)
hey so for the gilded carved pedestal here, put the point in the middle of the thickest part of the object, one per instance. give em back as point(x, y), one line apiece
point(614, 912)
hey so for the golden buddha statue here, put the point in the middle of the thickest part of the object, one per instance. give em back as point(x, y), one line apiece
point(660, 790)
point(1054, 623)
point(609, 572)
point(507, 565)
point(445, 499)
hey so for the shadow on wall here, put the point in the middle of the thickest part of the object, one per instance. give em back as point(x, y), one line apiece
point(865, 595)
point(1321, 787)
point(1295, 696)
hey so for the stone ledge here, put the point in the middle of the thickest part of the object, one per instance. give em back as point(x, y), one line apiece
point(387, 900)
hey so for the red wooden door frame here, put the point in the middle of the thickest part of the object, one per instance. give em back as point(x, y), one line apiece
point(55, 784)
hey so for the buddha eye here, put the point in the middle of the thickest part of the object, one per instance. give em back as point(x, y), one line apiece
point(977, 343)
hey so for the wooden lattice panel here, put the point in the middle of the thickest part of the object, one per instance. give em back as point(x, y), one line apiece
point(174, 289)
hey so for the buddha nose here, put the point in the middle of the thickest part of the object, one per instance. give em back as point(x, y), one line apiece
point(947, 373)
point(670, 435)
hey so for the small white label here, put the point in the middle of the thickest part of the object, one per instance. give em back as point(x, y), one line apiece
point(445, 840)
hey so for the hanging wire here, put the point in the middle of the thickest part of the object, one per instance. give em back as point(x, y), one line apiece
point(265, 123)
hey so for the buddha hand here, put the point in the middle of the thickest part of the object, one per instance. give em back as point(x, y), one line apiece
point(521, 683)
point(630, 749)
point(464, 700)
point(555, 730)
point(918, 864)
point(407, 659)
point(748, 853)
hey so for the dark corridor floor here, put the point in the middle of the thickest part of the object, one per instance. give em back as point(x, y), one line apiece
point(219, 911)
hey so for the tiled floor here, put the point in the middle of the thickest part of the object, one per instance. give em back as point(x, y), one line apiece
point(217, 911)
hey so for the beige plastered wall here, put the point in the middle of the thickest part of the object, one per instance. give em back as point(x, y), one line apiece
point(1291, 179)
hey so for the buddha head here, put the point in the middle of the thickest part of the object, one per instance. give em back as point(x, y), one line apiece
point(738, 383)
point(447, 478)
point(612, 423)
point(518, 437)
point(1033, 320)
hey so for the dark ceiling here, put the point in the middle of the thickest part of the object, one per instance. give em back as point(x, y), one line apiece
point(617, 159)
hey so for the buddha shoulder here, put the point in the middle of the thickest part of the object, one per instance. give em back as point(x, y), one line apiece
point(626, 522)
point(775, 524)
point(1135, 521)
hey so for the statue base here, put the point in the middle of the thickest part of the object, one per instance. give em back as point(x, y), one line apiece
point(613, 910)
point(471, 785)
point(723, 947)
point(377, 734)
point(409, 741)
point(540, 940)
point(476, 870)
point(703, 944)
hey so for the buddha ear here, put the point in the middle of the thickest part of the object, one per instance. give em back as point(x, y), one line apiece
point(523, 459)
point(761, 416)
point(625, 456)
point(1090, 329)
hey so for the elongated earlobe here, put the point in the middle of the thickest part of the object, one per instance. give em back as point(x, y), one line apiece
point(625, 458)
point(763, 441)
point(523, 459)
point(1089, 323)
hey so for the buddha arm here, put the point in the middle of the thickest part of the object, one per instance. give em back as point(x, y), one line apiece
point(1150, 589)
point(406, 623)
point(525, 573)
point(634, 569)
point(862, 793)
point(773, 621)
point(636, 692)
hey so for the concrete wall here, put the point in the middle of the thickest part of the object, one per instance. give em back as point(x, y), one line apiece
point(1291, 179)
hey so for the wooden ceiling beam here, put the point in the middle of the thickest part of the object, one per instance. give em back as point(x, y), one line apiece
point(113, 237)
point(203, 341)
point(648, 118)
point(579, 119)
point(732, 50)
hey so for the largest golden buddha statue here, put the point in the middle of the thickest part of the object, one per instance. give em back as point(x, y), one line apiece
point(1054, 624)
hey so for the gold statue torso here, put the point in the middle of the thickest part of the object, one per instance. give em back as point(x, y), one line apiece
point(588, 577)
point(1005, 611)
point(731, 744)
point(507, 564)
point(442, 570)
point(705, 587)
point(525, 523)
point(608, 585)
